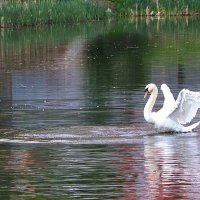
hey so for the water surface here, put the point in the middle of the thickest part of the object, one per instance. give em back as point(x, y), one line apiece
point(71, 111)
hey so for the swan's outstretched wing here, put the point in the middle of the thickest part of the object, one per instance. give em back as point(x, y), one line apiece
point(188, 103)
point(169, 104)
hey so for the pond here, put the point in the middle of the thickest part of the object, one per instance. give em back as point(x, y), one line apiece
point(71, 110)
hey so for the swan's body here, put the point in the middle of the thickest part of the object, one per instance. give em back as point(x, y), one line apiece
point(174, 113)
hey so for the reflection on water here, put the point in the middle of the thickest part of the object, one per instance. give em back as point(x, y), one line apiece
point(71, 111)
point(172, 166)
point(152, 167)
point(92, 74)
point(74, 80)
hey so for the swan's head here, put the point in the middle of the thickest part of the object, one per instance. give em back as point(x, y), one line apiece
point(149, 88)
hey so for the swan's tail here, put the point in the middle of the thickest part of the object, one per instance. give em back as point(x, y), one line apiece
point(191, 127)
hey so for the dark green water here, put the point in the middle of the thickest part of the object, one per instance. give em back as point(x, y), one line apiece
point(71, 111)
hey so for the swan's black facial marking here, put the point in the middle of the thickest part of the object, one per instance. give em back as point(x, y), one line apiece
point(146, 91)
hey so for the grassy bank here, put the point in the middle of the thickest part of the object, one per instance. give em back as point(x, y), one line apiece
point(36, 12)
point(164, 7)
point(22, 13)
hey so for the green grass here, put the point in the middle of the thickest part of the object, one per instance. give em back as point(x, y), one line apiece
point(15, 14)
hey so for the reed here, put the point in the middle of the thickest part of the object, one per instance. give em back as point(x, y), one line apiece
point(16, 14)
point(179, 7)
point(167, 7)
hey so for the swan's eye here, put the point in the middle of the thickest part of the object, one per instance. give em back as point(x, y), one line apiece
point(146, 90)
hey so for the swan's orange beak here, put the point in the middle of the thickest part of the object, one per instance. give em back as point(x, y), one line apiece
point(146, 93)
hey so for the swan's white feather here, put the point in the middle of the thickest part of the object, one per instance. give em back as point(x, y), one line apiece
point(188, 103)
point(169, 104)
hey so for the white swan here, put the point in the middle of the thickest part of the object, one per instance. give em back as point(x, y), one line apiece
point(173, 114)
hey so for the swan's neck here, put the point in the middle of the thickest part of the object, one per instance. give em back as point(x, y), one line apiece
point(149, 105)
